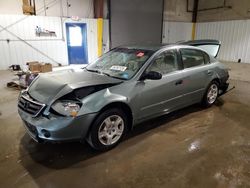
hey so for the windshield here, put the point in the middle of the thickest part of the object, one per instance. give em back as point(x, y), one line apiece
point(122, 63)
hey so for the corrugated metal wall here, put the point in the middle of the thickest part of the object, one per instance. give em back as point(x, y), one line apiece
point(33, 48)
point(176, 31)
point(234, 35)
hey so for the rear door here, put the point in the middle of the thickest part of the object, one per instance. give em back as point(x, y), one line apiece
point(212, 47)
point(196, 74)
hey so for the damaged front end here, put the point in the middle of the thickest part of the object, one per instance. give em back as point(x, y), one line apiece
point(71, 103)
point(50, 108)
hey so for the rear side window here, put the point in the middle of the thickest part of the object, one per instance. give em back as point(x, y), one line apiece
point(192, 58)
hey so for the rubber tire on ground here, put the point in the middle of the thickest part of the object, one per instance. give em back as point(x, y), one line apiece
point(93, 134)
point(204, 101)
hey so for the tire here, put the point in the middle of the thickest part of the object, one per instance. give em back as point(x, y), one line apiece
point(108, 129)
point(211, 94)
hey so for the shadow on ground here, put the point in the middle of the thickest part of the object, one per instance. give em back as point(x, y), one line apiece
point(60, 156)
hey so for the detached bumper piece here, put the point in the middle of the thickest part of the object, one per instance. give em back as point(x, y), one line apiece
point(225, 89)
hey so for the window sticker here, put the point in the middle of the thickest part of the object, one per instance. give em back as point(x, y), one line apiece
point(140, 54)
point(118, 68)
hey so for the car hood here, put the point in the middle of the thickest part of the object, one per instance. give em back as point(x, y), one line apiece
point(51, 86)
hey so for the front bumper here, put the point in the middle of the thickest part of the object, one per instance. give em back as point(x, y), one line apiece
point(56, 128)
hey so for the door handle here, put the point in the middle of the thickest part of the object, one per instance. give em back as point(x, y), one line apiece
point(179, 82)
point(209, 72)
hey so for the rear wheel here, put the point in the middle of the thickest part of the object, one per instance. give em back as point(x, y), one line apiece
point(211, 94)
point(108, 129)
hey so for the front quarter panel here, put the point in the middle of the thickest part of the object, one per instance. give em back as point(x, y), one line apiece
point(96, 101)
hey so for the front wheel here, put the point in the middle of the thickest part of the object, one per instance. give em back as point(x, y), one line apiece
point(211, 94)
point(108, 129)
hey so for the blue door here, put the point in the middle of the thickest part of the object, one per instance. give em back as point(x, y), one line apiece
point(77, 43)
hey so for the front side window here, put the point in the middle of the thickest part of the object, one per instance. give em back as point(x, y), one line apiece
point(121, 63)
point(192, 58)
point(165, 63)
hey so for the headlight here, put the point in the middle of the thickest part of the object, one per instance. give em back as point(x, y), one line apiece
point(67, 108)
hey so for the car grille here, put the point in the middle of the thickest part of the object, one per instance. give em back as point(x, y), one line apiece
point(27, 104)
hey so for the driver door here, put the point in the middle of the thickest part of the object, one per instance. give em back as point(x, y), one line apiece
point(157, 97)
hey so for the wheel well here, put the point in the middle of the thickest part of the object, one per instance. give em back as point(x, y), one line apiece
point(217, 80)
point(124, 107)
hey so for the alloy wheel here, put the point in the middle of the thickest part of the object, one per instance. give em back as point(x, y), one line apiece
point(212, 93)
point(111, 130)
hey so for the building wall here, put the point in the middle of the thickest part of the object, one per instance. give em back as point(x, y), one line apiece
point(229, 25)
point(19, 44)
point(240, 10)
point(176, 31)
point(177, 24)
point(234, 36)
point(65, 8)
point(176, 11)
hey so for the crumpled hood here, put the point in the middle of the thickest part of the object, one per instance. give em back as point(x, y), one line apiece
point(51, 86)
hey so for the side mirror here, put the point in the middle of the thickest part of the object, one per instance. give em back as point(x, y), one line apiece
point(152, 75)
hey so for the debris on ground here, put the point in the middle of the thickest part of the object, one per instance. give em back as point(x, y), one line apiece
point(26, 76)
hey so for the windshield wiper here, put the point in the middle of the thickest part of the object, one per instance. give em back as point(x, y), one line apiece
point(94, 70)
point(99, 72)
point(112, 76)
point(104, 73)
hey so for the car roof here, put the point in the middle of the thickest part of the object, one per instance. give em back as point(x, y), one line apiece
point(151, 47)
point(155, 48)
point(186, 44)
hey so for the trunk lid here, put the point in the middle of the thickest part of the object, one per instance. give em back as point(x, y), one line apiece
point(212, 47)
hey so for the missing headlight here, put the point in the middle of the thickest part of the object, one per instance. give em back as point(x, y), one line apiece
point(69, 105)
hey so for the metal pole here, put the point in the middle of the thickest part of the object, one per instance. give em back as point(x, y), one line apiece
point(34, 4)
point(194, 18)
point(195, 11)
point(62, 30)
point(44, 6)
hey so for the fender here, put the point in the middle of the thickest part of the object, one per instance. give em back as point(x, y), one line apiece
point(96, 101)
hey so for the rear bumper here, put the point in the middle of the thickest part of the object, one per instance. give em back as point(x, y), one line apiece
point(56, 128)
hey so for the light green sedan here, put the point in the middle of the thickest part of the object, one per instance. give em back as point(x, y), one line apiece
point(124, 87)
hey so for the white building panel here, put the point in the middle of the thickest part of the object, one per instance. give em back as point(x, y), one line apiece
point(24, 45)
point(234, 36)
